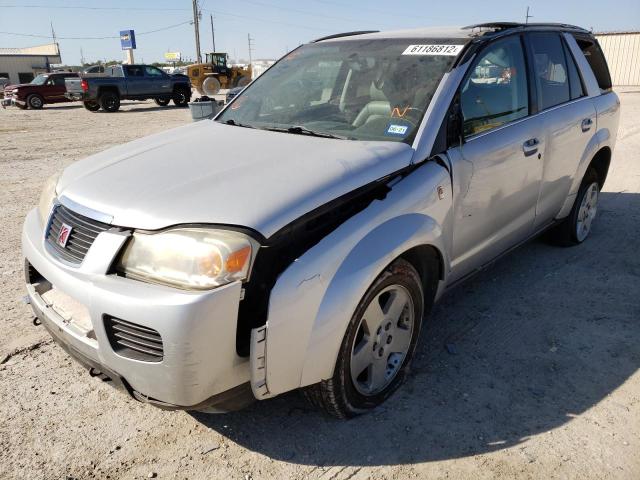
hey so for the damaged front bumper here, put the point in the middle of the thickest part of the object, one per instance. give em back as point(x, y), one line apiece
point(199, 367)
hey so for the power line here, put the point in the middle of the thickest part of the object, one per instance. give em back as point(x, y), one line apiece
point(107, 37)
point(84, 7)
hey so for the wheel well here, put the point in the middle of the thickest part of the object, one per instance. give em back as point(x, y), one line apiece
point(600, 164)
point(103, 90)
point(420, 257)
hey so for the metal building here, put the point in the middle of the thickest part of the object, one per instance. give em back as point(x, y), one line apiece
point(20, 65)
point(622, 51)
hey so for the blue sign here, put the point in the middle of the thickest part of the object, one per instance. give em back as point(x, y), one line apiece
point(127, 39)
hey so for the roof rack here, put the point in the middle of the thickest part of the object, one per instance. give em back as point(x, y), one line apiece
point(346, 34)
point(508, 25)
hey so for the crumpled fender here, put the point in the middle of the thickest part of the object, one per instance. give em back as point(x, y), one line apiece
point(314, 299)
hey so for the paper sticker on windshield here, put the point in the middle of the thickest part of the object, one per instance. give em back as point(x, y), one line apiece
point(396, 130)
point(451, 50)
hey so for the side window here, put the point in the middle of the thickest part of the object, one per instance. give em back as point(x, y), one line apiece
point(550, 70)
point(58, 81)
point(575, 81)
point(152, 71)
point(134, 71)
point(495, 91)
point(593, 53)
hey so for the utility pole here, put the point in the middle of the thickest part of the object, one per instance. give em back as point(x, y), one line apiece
point(213, 34)
point(527, 17)
point(250, 46)
point(81, 57)
point(196, 26)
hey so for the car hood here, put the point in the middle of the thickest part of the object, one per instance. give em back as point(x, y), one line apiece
point(13, 86)
point(209, 172)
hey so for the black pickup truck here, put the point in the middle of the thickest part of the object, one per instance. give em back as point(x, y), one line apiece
point(128, 82)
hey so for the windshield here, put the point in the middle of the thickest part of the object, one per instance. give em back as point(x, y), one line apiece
point(358, 89)
point(39, 80)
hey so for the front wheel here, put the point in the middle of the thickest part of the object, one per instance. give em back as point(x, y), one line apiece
point(35, 102)
point(575, 228)
point(181, 97)
point(378, 346)
point(163, 102)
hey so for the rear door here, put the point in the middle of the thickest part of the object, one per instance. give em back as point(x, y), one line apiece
point(569, 118)
point(136, 80)
point(497, 169)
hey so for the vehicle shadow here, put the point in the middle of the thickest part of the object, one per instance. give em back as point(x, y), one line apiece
point(520, 349)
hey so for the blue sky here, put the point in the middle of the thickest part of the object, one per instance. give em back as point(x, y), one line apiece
point(274, 24)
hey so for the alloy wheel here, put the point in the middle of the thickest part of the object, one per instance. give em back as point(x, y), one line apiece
point(382, 340)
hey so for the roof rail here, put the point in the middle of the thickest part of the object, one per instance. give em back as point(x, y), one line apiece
point(508, 25)
point(495, 25)
point(346, 34)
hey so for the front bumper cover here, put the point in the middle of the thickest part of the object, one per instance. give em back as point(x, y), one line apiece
point(198, 329)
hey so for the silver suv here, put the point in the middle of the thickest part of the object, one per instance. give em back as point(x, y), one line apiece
point(299, 239)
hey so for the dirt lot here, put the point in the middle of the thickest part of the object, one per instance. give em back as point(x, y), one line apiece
point(543, 382)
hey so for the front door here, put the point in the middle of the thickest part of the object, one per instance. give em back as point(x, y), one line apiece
point(497, 170)
point(158, 81)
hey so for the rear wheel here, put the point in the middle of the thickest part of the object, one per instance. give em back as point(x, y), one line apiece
point(211, 85)
point(378, 346)
point(110, 101)
point(242, 81)
point(181, 97)
point(575, 229)
point(35, 102)
point(163, 102)
point(91, 106)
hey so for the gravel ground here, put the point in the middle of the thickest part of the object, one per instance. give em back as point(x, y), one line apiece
point(542, 380)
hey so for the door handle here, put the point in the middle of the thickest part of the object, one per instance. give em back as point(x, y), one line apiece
point(586, 124)
point(530, 147)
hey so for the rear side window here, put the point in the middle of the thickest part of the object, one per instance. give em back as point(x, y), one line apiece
point(134, 71)
point(550, 70)
point(495, 92)
point(593, 53)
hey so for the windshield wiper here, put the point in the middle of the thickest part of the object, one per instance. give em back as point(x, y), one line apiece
point(300, 130)
point(231, 121)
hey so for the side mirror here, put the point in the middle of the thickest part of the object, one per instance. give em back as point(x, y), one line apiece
point(454, 124)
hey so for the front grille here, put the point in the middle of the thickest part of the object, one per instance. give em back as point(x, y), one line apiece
point(133, 341)
point(84, 231)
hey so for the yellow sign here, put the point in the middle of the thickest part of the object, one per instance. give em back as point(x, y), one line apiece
point(172, 56)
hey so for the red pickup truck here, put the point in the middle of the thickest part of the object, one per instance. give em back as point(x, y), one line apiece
point(45, 88)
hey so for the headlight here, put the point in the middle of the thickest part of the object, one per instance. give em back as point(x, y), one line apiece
point(191, 258)
point(47, 197)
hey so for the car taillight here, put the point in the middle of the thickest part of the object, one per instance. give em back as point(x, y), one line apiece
point(84, 85)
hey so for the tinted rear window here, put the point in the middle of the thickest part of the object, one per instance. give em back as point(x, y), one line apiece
point(593, 53)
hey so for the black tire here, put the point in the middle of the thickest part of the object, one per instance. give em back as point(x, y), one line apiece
point(109, 101)
point(181, 97)
point(162, 102)
point(242, 81)
point(338, 396)
point(35, 102)
point(91, 106)
point(566, 234)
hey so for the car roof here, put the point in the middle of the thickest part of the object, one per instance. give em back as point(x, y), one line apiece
point(466, 33)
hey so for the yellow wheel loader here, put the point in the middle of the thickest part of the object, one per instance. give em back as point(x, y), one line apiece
point(215, 74)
